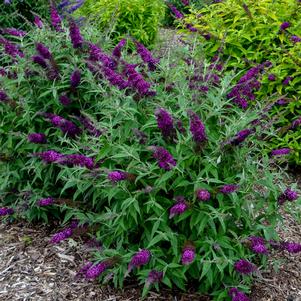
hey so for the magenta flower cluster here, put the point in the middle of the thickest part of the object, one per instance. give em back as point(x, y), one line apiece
point(46, 202)
point(197, 128)
point(244, 267)
point(203, 195)
point(165, 123)
point(243, 91)
point(188, 255)
point(117, 176)
point(140, 258)
point(229, 188)
point(66, 126)
point(177, 209)
point(38, 138)
point(6, 211)
point(51, 156)
point(237, 295)
point(164, 158)
point(258, 245)
point(75, 35)
point(280, 151)
point(288, 195)
point(55, 18)
point(60, 236)
point(146, 56)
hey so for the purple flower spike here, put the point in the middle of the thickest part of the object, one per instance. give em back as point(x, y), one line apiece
point(287, 80)
point(146, 56)
point(75, 35)
point(40, 61)
point(197, 128)
point(58, 237)
point(174, 10)
point(165, 123)
point(89, 126)
point(296, 123)
point(49, 156)
point(258, 245)
point(185, 2)
point(55, 18)
point(154, 277)
point(236, 295)
point(244, 267)
point(188, 255)
point(271, 77)
point(203, 195)
point(84, 269)
point(292, 247)
point(140, 258)
point(117, 50)
point(177, 209)
point(241, 136)
point(287, 195)
point(3, 96)
point(75, 78)
point(280, 152)
point(164, 158)
point(65, 100)
point(96, 270)
point(14, 32)
point(45, 202)
point(295, 39)
point(117, 176)
point(6, 211)
point(37, 138)
point(66, 126)
point(230, 188)
point(38, 22)
point(284, 26)
point(77, 160)
point(43, 51)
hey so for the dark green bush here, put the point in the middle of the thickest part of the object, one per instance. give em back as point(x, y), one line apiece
point(164, 162)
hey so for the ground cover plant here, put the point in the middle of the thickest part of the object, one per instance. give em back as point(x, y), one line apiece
point(250, 32)
point(146, 156)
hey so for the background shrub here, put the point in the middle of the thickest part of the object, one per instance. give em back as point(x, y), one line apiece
point(250, 32)
point(138, 18)
point(150, 158)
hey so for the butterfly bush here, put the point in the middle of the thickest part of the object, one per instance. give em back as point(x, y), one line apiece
point(171, 180)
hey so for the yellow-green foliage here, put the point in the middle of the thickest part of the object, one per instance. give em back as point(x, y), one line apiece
point(248, 33)
point(138, 18)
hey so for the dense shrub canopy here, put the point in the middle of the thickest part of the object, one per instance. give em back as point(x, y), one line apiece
point(146, 155)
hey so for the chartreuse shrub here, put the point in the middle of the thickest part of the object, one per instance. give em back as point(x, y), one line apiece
point(148, 157)
point(138, 18)
point(250, 32)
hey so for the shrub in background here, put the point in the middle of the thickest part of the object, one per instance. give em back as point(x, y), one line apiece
point(148, 157)
point(138, 18)
point(250, 32)
point(17, 13)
